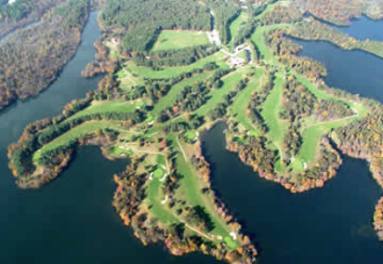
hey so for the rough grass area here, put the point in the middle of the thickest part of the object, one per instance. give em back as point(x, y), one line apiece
point(179, 39)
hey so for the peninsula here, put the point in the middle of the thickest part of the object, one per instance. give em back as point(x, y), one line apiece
point(170, 76)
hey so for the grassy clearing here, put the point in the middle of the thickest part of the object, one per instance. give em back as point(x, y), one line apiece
point(172, 72)
point(179, 39)
point(128, 80)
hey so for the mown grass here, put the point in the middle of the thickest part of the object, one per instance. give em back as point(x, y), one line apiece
point(74, 134)
point(217, 96)
point(170, 98)
point(179, 39)
point(155, 196)
point(172, 72)
point(100, 107)
point(270, 112)
point(191, 190)
point(128, 80)
point(313, 131)
point(239, 108)
point(236, 25)
point(258, 39)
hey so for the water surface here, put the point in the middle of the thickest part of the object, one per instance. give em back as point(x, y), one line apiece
point(70, 220)
point(329, 225)
point(364, 28)
point(355, 71)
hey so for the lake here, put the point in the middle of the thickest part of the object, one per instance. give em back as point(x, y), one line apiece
point(329, 225)
point(365, 28)
point(355, 71)
point(71, 220)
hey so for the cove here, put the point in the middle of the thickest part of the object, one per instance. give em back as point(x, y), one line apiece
point(71, 220)
point(355, 71)
point(328, 225)
point(364, 28)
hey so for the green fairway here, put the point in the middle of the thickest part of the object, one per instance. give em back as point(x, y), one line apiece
point(127, 79)
point(236, 25)
point(170, 98)
point(217, 95)
point(178, 39)
point(172, 72)
point(314, 131)
point(156, 199)
point(74, 134)
point(175, 78)
point(241, 103)
point(101, 107)
point(270, 112)
point(190, 190)
point(258, 39)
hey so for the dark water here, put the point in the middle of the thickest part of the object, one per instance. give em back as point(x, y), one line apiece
point(355, 71)
point(329, 225)
point(70, 220)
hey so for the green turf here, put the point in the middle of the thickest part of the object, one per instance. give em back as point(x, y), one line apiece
point(258, 39)
point(236, 25)
point(172, 72)
point(99, 107)
point(270, 112)
point(217, 96)
point(191, 135)
point(155, 196)
point(239, 108)
point(178, 39)
point(190, 189)
point(170, 98)
point(75, 134)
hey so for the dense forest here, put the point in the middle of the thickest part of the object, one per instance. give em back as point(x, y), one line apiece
point(29, 66)
point(142, 20)
point(225, 12)
point(22, 13)
point(15, 11)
